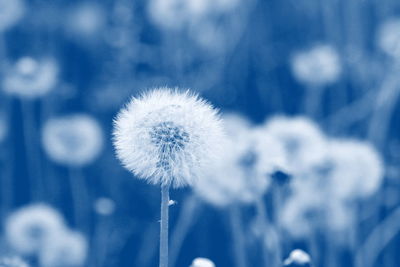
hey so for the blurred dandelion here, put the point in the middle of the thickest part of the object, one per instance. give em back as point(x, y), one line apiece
point(298, 257)
point(73, 140)
point(67, 249)
point(30, 228)
point(168, 138)
point(31, 78)
point(12, 262)
point(388, 38)
point(11, 11)
point(104, 206)
point(202, 262)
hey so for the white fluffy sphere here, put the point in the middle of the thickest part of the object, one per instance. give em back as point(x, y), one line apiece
point(28, 229)
point(11, 12)
point(167, 137)
point(388, 37)
point(202, 262)
point(73, 140)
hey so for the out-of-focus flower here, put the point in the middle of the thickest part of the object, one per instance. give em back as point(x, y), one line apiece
point(86, 20)
point(74, 140)
point(168, 137)
point(243, 173)
point(318, 66)
point(298, 256)
point(355, 169)
point(388, 37)
point(303, 141)
point(174, 14)
point(68, 249)
point(202, 262)
point(31, 78)
point(235, 125)
point(28, 229)
point(11, 11)
point(104, 206)
point(12, 262)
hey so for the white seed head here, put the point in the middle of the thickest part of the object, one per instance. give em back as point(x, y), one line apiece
point(74, 140)
point(356, 169)
point(202, 262)
point(12, 262)
point(65, 250)
point(11, 11)
point(318, 66)
point(30, 228)
point(388, 37)
point(303, 141)
point(31, 78)
point(167, 137)
point(298, 256)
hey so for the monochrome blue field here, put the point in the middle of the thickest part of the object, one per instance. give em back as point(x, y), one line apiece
point(199, 133)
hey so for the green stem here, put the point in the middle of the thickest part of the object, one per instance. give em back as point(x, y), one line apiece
point(164, 226)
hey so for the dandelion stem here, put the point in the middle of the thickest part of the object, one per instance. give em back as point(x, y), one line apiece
point(164, 226)
point(237, 233)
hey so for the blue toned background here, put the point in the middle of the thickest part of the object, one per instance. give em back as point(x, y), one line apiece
point(92, 56)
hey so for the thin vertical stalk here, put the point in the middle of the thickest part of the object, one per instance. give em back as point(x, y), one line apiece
point(164, 226)
point(238, 238)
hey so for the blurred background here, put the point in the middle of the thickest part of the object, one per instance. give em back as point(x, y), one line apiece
point(67, 67)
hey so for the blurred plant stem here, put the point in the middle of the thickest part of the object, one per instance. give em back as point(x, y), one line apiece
point(239, 247)
point(185, 221)
point(312, 102)
point(164, 226)
point(379, 238)
point(80, 198)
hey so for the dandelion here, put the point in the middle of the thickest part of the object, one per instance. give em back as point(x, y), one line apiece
point(30, 228)
point(388, 37)
point(355, 169)
point(73, 140)
point(31, 78)
point(298, 257)
point(12, 262)
point(68, 249)
point(168, 138)
point(104, 206)
point(318, 66)
point(202, 262)
point(303, 141)
point(11, 11)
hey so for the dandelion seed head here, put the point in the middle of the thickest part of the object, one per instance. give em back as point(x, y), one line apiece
point(29, 228)
point(12, 262)
point(303, 141)
point(104, 206)
point(11, 11)
point(68, 249)
point(166, 136)
point(318, 66)
point(388, 37)
point(73, 140)
point(357, 169)
point(31, 78)
point(298, 256)
point(202, 262)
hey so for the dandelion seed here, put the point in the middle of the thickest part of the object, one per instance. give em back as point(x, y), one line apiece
point(298, 257)
point(74, 140)
point(202, 262)
point(172, 202)
point(30, 228)
point(31, 78)
point(12, 262)
point(318, 66)
point(11, 11)
point(388, 37)
point(68, 249)
point(167, 138)
point(104, 206)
